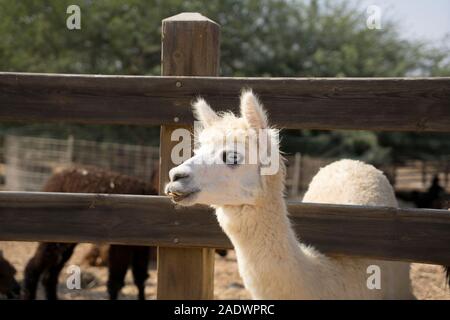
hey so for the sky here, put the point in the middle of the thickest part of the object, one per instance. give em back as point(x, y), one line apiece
point(419, 19)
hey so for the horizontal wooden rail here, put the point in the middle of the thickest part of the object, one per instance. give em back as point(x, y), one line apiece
point(393, 104)
point(375, 232)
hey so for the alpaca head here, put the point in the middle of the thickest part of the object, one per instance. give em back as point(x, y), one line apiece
point(233, 159)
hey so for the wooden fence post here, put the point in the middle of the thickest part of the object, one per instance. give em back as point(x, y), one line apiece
point(190, 47)
point(424, 173)
point(296, 175)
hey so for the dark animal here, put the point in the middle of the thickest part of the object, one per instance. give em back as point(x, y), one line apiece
point(49, 258)
point(434, 198)
point(8, 284)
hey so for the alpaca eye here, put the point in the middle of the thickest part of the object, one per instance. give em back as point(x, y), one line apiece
point(231, 158)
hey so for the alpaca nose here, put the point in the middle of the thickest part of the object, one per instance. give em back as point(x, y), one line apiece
point(176, 175)
point(179, 176)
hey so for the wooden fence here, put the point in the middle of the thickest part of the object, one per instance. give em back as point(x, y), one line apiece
point(186, 237)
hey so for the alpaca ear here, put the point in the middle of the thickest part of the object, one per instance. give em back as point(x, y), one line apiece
point(203, 112)
point(252, 110)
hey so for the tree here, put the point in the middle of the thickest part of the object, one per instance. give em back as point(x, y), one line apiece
point(285, 38)
point(260, 37)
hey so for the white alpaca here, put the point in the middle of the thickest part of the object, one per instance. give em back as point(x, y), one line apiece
point(251, 210)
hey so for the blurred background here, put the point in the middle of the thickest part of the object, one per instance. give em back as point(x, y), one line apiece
point(283, 38)
point(260, 38)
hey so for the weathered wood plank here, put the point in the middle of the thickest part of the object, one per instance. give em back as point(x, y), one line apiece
point(396, 104)
point(190, 47)
point(372, 232)
point(198, 280)
point(122, 219)
point(376, 232)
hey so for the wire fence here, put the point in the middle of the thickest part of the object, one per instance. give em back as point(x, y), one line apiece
point(30, 161)
point(418, 174)
point(27, 162)
point(410, 175)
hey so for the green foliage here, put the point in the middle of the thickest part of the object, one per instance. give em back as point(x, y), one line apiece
point(285, 38)
point(121, 133)
point(259, 37)
point(362, 145)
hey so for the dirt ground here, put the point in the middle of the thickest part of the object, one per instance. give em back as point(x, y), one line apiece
point(428, 280)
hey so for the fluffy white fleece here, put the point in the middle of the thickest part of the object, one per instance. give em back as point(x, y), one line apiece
point(273, 262)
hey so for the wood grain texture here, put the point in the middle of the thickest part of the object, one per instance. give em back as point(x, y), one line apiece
point(190, 47)
point(421, 235)
point(196, 283)
point(393, 104)
point(123, 219)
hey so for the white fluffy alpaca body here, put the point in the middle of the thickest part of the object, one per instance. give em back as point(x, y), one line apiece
point(302, 272)
point(251, 210)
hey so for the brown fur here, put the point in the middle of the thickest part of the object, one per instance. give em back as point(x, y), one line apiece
point(89, 179)
point(8, 284)
point(50, 258)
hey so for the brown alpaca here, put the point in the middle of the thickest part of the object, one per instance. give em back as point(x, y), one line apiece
point(49, 258)
point(9, 287)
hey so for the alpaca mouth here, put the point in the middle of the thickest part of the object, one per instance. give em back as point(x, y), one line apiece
point(178, 196)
